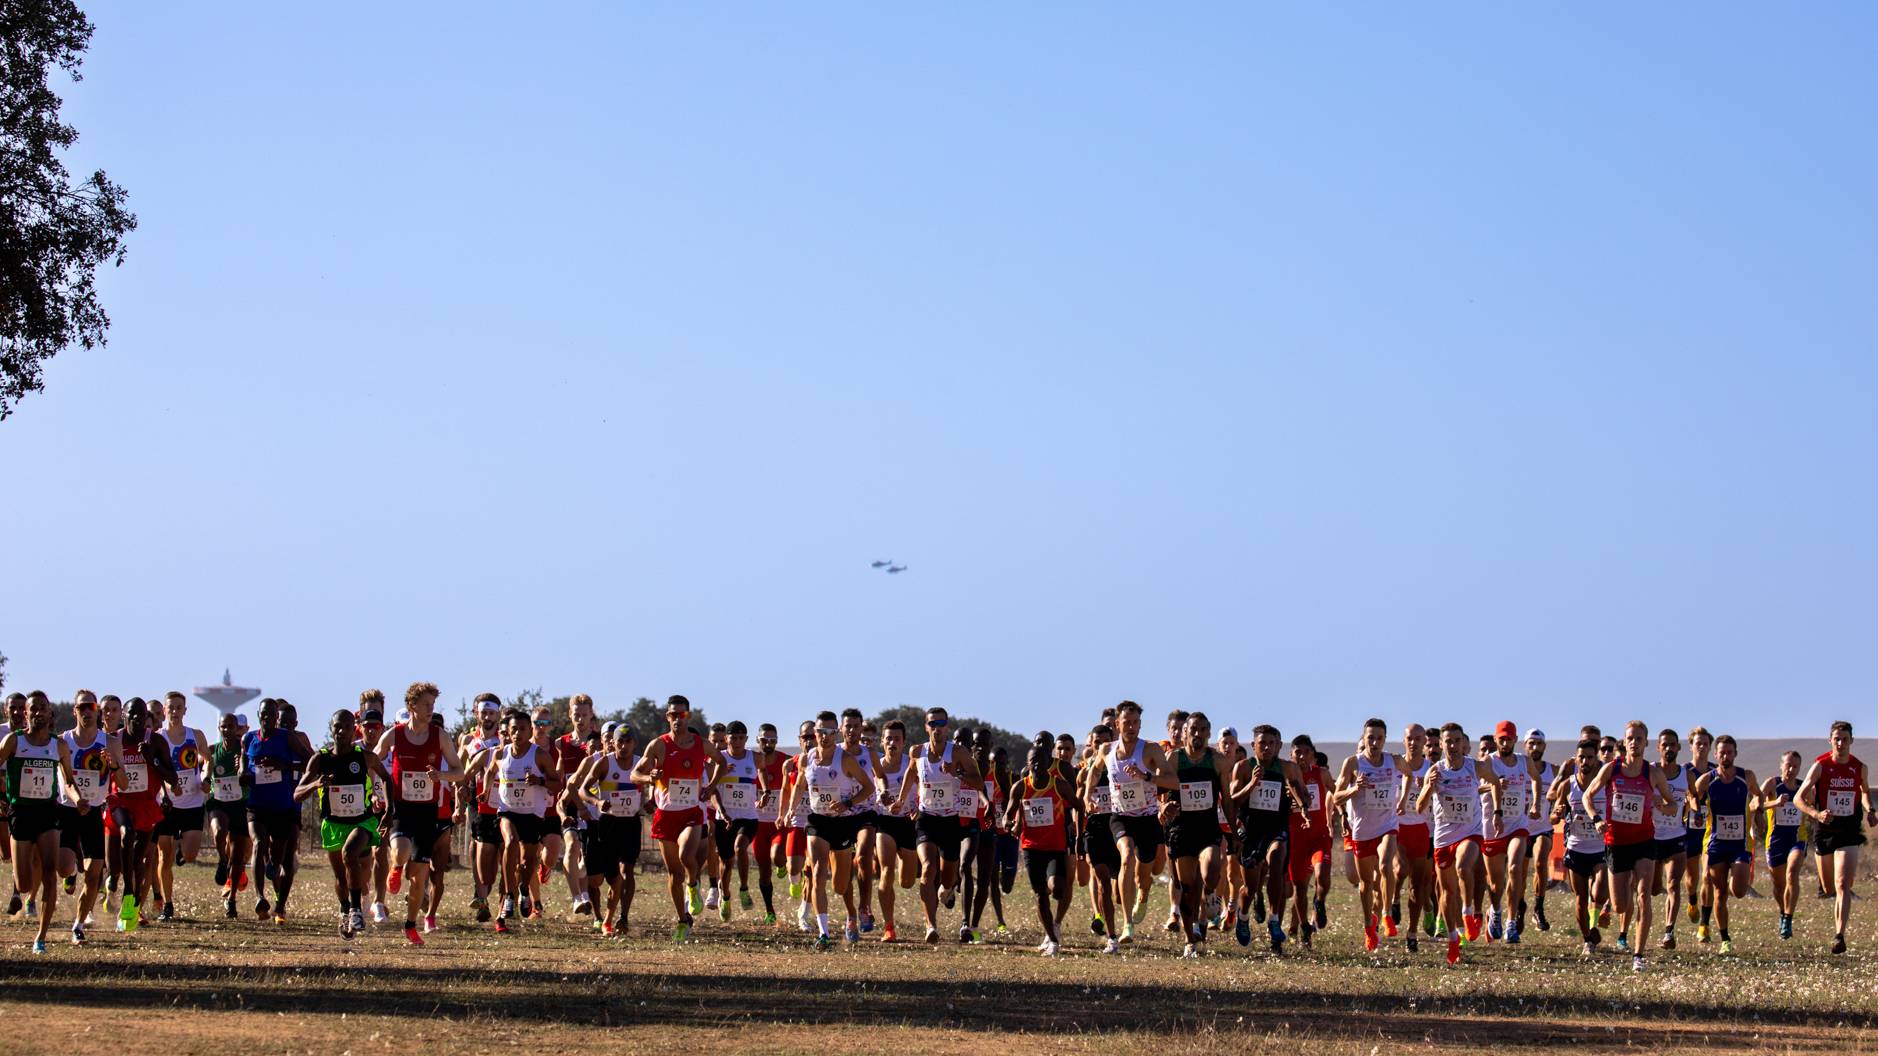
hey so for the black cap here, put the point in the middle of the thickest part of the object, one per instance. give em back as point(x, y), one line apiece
point(372, 715)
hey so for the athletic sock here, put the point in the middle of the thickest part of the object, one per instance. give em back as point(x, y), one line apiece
point(1707, 912)
point(821, 923)
point(1724, 934)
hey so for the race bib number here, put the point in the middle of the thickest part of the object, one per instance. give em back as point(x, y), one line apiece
point(935, 797)
point(1131, 797)
point(135, 777)
point(969, 798)
point(681, 794)
point(415, 786)
point(228, 789)
point(36, 779)
point(738, 796)
point(85, 783)
point(1459, 810)
point(1839, 802)
point(769, 806)
point(1513, 801)
point(1627, 808)
point(1787, 815)
point(1039, 812)
point(824, 801)
point(622, 802)
point(1268, 795)
point(1731, 827)
point(1579, 826)
point(267, 775)
point(345, 801)
point(1099, 802)
point(189, 782)
point(1317, 797)
point(1196, 795)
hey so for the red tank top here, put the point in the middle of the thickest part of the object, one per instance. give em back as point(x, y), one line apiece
point(569, 753)
point(1838, 792)
point(123, 780)
point(682, 764)
point(1635, 799)
point(414, 759)
point(1041, 827)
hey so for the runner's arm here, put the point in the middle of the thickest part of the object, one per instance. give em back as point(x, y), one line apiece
point(1348, 784)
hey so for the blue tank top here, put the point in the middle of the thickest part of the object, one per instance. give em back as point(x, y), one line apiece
point(273, 787)
point(1727, 812)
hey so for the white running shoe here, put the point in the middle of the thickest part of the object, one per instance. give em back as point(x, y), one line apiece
point(710, 898)
point(1049, 949)
point(379, 913)
point(1189, 952)
point(1112, 947)
point(805, 918)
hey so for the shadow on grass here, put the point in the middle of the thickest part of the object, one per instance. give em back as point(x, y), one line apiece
point(651, 997)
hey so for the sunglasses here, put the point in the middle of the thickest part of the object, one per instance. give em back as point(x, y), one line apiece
point(544, 722)
point(934, 724)
point(827, 731)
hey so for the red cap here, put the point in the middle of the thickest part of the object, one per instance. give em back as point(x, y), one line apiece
point(1506, 729)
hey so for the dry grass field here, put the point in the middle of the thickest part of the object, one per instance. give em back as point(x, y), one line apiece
point(208, 985)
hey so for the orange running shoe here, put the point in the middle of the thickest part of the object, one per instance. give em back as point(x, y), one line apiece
point(888, 935)
point(1454, 949)
point(395, 879)
point(411, 936)
point(1473, 927)
point(1369, 936)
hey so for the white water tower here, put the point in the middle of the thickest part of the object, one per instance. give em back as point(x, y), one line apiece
point(226, 697)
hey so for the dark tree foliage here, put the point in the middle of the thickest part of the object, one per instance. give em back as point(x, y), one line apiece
point(1017, 745)
point(55, 232)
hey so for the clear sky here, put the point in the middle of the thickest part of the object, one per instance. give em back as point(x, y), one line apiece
point(1293, 363)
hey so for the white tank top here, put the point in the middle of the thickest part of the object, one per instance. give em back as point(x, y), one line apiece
point(1409, 815)
point(799, 811)
point(1372, 810)
point(1515, 792)
point(890, 784)
point(828, 785)
point(1542, 824)
point(865, 756)
point(91, 783)
point(515, 794)
point(1456, 803)
point(189, 792)
point(1668, 823)
point(1132, 796)
point(736, 787)
point(938, 790)
point(1580, 834)
point(619, 796)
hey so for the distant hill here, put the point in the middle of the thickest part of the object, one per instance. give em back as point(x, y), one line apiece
point(1759, 754)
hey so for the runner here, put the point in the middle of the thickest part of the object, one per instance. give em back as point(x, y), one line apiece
point(81, 814)
point(1137, 773)
point(111, 723)
point(37, 762)
point(854, 741)
point(838, 785)
point(895, 840)
point(420, 758)
point(1539, 837)
point(15, 720)
point(715, 887)
point(1584, 844)
point(1192, 817)
point(1269, 794)
point(570, 750)
point(1068, 770)
point(1786, 842)
point(942, 773)
point(1507, 843)
point(442, 848)
point(1311, 844)
point(1837, 796)
point(1040, 813)
point(526, 784)
point(141, 766)
point(181, 827)
point(269, 760)
point(983, 805)
point(739, 791)
point(1634, 790)
point(227, 814)
point(340, 773)
point(371, 729)
point(1098, 840)
point(549, 846)
point(1451, 792)
point(796, 843)
point(1415, 863)
point(1727, 796)
point(1672, 837)
point(604, 782)
point(768, 812)
point(477, 746)
point(1695, 862)
point(1370, 787)
point(679, 765)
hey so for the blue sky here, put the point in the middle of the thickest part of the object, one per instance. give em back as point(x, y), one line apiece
point(1296, 364)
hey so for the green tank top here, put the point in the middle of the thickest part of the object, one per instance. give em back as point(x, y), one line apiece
point(1200, 790)
point(344, 784)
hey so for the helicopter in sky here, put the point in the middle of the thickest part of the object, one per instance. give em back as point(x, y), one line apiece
point(894, 570)
point(881, 564)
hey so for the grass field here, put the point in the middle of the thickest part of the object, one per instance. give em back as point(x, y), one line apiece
point(208, 985)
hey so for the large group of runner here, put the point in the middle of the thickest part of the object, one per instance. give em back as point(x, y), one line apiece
point(1448, 838)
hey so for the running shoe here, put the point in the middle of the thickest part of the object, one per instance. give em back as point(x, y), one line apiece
point(1140, 911)
point(1189, 952)
point(1590, 949)
point(78, 934)
point(32, 908)
point(508, 906)
point(502, 926)
point(1243, 932)
point(1428, 923)
point(1395, 916)
point(1128, 931)
point(358, 922)
point(1049, 949)
point(542, 876)
point(1636, 963)
point(966, 935)
point(1512, 934)
point(1538, 916)
point(1695, 912)
point(1786, 926)
point(795, 889)
point(395, 879)
point(1277, 934)
point(743, 898)
point(1215, 910)
point(39, 945)
point(1095, 925)
point(261, 907)
point(696, 901)
point(481, 905)
point(1318, 919)
point(867, 921)
point(606, 928)
point(932, 936)
point(1623, 941)
point(1370, 941)
point(228, 906)
point(1454, 949)
point(1389, 926)
point(241, 879)
point(71, 883)
point(1838, 943)
point(1112, 947)
point(723, 911)
point(280, 917)
point(168, 913)
point(1411, 942)
point(804, 915)
point(380, 914)
point(1494, 933)
point(1727, 947)
point(824, 942)
point(127, 910)
point(1701, 933)
point(1669, 939)
point(769, 918)
point(887, 934)
point(853, 934)
point(411, 936)
point(1472, 922)
point(221, 874)
point(430, 922)
point(345, 924)
point(1003, 932)
point(528, 906)
point(1258, 907)
point(682, 932)
point(710, 898)
point(14, 905)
